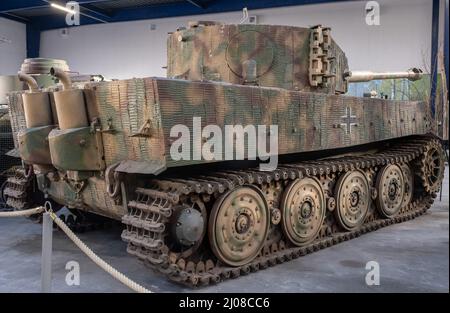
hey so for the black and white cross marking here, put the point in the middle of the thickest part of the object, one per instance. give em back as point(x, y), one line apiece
point(348, 120)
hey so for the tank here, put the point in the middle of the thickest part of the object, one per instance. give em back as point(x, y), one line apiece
point(141, 151)
point(7, 84)
point(6, 144)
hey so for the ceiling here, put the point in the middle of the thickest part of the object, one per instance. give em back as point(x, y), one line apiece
point(42, 16)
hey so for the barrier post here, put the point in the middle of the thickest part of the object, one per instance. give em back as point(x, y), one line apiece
point(46, 261)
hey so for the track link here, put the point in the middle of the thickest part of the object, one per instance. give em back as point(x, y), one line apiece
point(148, 222)
point(18, 188)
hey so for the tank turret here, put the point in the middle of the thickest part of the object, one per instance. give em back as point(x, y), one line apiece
point(295, 58)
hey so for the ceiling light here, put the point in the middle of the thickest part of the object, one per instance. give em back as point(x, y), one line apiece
point(62, 8)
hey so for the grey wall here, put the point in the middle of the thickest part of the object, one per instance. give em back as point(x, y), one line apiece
point(132, 49)
point(12, 53)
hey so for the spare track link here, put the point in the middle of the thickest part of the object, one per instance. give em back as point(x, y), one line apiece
point(17, 189)
point(147, 224)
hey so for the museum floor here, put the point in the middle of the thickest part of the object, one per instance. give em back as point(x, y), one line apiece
point(413, 257)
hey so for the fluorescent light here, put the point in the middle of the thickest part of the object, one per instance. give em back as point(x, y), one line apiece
point(62, 8)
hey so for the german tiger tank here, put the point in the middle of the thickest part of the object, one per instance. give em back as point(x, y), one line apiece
point(346, 165)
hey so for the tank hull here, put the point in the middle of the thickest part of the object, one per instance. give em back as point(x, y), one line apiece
point(306, 122)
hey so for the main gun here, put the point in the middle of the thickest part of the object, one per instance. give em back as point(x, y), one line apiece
point(366, 76)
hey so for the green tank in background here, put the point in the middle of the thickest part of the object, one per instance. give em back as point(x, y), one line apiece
point(346, 165)
point(6, 144)
point(7, 84)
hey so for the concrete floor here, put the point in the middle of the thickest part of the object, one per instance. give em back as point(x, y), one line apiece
point(413, 257)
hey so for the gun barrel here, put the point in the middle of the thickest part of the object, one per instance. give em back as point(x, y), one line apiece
point(366, 76)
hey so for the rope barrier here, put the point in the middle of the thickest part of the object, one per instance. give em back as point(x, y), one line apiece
point(96, 259)
point(81, 245)
point(22, 213)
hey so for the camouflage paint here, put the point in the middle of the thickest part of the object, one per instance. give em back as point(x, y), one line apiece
point(282, 53)
point(78, 149)
point(33, 145)
point(131, 119)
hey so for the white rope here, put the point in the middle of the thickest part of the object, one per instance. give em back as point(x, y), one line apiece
point(22, 213)
point(96, 259)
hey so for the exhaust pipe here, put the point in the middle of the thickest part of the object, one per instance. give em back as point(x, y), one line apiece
point(62, 76)
point(70, 105)
point(36, 104)
point(30, 81)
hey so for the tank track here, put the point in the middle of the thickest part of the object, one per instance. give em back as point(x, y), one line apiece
point(148, 221)
point(81, 222)
point(18, 193)
point(18, 188)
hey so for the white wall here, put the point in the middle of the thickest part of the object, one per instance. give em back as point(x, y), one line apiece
point(12, 53)
point(131, 49)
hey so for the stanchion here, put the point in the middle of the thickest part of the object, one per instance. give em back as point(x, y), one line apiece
point(96, 259)
point(46, 261)
point(47, 237)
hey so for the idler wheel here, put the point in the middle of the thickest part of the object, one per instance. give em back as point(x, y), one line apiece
point(189, 228)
